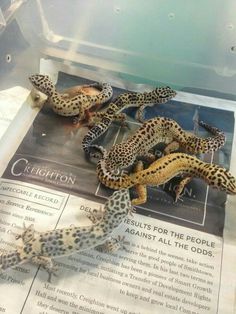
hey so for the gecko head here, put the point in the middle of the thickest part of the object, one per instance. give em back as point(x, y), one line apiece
point(229, 184)
point(164, 94)
point(42, 83)
point(119, 157)
point(223, 180)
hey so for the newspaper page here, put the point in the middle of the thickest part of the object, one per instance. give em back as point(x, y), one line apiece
point(174, 261)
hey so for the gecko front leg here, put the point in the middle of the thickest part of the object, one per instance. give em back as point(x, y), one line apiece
point(180, 187)
point(47, 263)
point(27, 235)
point(96, 216)
point(140, 188)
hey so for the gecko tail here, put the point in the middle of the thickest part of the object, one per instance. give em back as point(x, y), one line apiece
point(9, 259)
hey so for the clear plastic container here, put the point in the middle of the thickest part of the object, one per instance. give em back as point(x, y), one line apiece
point(187, 45)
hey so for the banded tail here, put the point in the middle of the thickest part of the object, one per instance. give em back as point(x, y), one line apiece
point(95, 133)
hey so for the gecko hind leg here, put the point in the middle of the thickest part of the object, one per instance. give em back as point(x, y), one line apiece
point(180, 187)
point(171, 147)
point(138, 166)
point(140, 188)
point(76, 120)
point(121, 117)
point(95, 118)
point(142, 195)
point(47, 263)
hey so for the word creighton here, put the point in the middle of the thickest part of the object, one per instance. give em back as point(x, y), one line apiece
point(22, 167)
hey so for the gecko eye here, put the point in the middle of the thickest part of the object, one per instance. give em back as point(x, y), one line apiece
point(116, 172)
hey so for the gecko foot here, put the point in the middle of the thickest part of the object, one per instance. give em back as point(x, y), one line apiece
point(96, 216)
point(76, 121)
point(52, 272)
point(100, 153)
point(132, 210)
point(112, 245)
point(27, 235)
point(48, 264)
point(120, 243)
point(178, 197)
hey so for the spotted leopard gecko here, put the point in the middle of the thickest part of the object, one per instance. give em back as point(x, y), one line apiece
point(78, 105)
point(41, 249)
point(164, 169)
point(113, 112)
point(158, 130)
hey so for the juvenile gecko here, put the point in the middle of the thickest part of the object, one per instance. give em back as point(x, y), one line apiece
point(164, 169)
point(63, 105)
point(42, 248)
point(160, 130)
point(113, 112)
point(159, 95)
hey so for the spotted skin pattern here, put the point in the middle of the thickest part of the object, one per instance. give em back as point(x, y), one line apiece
point(164, 169)
point(161, 130)
point(78, 105)
point(94, 134)
point(113, 112)
point(159, 95)
point(42, 248)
